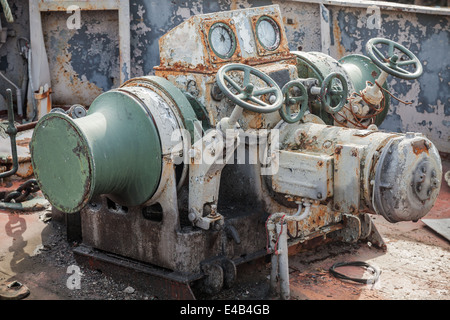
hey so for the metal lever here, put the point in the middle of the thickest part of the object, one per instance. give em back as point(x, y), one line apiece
point(12, 132)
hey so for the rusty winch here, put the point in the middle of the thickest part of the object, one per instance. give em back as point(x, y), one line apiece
point(236, 149)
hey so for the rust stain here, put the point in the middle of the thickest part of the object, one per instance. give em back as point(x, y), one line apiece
point(419, 147)
point(23, 142)
point(337, 151)
point(337, 36)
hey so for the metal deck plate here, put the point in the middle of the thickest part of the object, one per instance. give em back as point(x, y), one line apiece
point(441, 226)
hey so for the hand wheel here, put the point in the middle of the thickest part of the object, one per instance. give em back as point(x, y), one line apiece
point(391, 63)
point(333, 96)
point(295, 94)
point(247, 95)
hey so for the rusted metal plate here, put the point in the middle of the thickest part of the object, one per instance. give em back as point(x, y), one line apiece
point(163, 283)
point(199, 56)
point(347, 173)
point(441, 226)
point(304, 175)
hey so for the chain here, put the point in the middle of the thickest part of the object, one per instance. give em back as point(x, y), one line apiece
point(23, 191)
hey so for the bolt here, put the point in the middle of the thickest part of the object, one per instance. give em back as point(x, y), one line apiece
point(433, 173)
point(434, 183)
point(272, 99)
point(419, 187)
point(424, 170)
point(319, 195)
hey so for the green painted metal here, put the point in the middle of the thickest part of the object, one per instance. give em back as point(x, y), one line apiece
point(333, 98)
point(114, 150)
point(177, 97)
point(361, 69)
point(200, 111)
point(390, 62)
point(246, 92)
point(300, 100)
point(357, 68)
point(315, 65)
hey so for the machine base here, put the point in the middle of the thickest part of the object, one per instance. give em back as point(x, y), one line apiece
point(169, 284)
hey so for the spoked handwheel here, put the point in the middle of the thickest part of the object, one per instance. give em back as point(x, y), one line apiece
point(246, 95)
point(333, 92)
point(390, 62)
point(295, 96)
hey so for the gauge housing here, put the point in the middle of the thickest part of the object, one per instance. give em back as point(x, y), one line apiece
point(268, 33)
point(221, 29)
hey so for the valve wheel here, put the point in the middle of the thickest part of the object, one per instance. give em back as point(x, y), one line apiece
point(333, 97)
point(247, 95)
point(298, 99)
point(391, 63)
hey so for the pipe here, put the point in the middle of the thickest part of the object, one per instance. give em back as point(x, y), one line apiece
point(279, 259)
point(30, 79)
point(283, 261)
point(11, 131)
point(273, 274)
point(26, 126)
point(305, 213)
point(18, 94)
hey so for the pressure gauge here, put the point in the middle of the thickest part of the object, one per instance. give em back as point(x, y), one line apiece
point(222, 40)
point(268, 33)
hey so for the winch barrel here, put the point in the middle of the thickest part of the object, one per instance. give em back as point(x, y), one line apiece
point(114, 150)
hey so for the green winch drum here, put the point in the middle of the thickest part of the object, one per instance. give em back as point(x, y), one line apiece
point(114, 150)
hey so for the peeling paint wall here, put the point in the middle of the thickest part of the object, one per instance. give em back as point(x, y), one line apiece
point(88, 58)
point(83, 62)
point(12, 65)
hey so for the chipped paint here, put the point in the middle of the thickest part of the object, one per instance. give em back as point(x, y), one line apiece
point(424, 30)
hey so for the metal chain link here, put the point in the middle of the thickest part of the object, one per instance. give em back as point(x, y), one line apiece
point(23, 191)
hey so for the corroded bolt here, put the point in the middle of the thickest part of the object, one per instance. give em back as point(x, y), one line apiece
point(433, 173)
point(434, 183)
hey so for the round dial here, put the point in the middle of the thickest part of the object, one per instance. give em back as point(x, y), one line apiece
point(222, 40)
point(268, 33)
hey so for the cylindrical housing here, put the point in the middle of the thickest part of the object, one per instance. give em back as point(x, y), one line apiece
point(399, 173)
point(116, 149)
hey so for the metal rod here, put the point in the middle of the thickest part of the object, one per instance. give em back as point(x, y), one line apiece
point(26, 126)
point(273, 273)
point(283, 261)
point(235, 115)
point(18, 94)
point(11, 131)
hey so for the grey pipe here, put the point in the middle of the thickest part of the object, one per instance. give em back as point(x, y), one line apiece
point(11, 131)
point(18, 94)
point(30, 79)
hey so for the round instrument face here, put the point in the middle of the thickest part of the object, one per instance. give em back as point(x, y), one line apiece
point(222, 40)
point(268, 33)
